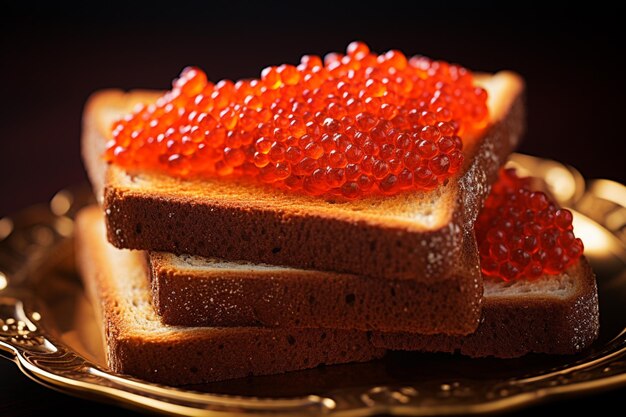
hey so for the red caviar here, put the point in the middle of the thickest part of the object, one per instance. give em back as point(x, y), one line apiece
point(521, 233)
point(351, 125)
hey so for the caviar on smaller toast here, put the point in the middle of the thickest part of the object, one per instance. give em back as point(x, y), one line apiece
point(351, 125)
point(522, 234)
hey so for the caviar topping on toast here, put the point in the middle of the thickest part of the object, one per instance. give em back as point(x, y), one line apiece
point(350, 126)
point(522, 233)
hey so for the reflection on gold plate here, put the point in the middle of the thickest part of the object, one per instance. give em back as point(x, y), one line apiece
point(48, 328)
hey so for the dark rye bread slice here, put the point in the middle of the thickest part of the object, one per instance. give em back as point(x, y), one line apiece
point(408, 236)
point(553, 314)
point(194, 291)
point(138, 344)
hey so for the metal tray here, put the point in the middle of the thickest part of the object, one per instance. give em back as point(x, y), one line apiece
point(48, 329)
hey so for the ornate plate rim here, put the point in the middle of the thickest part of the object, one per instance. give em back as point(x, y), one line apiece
point(46, 360)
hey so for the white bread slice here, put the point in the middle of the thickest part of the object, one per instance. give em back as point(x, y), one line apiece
point(409, 236)
point(138, 344)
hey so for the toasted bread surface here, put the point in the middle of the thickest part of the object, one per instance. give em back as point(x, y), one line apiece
point(416, 235)
point(138, 344)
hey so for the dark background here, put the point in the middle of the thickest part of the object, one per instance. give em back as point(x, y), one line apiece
point(52, 59)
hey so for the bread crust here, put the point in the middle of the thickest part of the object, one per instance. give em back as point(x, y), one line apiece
point(510, 327)
point(262, 225)
point(515, 326)
point(176, 355)
point(287, 297)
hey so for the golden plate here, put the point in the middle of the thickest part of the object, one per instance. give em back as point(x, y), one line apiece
point(47, 328)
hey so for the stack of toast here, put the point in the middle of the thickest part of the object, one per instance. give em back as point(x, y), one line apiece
point(204, 279)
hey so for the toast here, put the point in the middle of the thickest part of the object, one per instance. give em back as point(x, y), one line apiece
point(138, 344)
point(552, 314)
point(192, 291)
point(415, 235)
